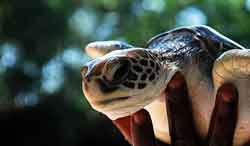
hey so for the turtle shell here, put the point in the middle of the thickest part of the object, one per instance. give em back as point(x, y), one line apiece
point(183, 37)
point(200, 43)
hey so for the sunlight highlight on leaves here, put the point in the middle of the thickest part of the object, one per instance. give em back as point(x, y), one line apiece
point(191, 16)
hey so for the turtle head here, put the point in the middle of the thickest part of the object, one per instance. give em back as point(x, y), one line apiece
point(123, 81)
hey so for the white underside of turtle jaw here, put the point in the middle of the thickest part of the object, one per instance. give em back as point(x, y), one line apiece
point(137, 105)
point(125, 111)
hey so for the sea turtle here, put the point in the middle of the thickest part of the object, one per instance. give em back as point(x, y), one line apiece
point(124, 79)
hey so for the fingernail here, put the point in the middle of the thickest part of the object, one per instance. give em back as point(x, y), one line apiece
point(140, 117)
point(228, 92)
point(177, 81)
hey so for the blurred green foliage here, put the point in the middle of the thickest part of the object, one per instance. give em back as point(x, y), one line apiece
point(42, 41)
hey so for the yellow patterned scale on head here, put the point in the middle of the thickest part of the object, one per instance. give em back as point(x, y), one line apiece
point(123, 79)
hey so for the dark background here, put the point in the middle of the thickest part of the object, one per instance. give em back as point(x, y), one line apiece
point(41, 54)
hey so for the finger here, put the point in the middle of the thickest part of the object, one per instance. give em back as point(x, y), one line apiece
point(246, 144)
point(142, 133)
point(160, 143)
point(223, 121)
point(181, 125)
point(123, 124)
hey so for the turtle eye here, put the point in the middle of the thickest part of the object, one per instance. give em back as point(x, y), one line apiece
point(122, 72)
point(118, 71)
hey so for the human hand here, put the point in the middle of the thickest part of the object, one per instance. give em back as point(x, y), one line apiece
point(138, 130)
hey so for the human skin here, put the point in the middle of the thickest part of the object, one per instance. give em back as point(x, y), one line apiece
point(138, 131)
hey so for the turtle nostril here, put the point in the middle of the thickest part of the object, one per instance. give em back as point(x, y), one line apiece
point(84, 73)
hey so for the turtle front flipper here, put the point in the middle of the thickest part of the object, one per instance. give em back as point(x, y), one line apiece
point(234, 67)
point(100, 48)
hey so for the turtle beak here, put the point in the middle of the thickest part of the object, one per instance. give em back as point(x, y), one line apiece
point(91, 69)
